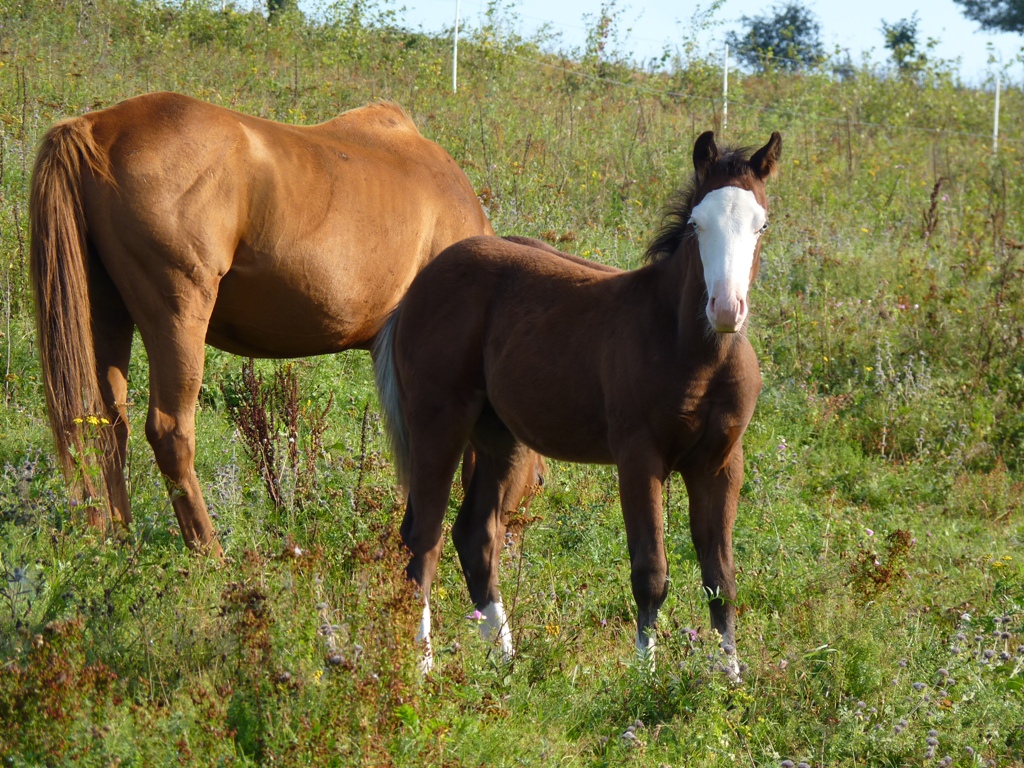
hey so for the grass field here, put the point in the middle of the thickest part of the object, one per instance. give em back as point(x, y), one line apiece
point(880, 539)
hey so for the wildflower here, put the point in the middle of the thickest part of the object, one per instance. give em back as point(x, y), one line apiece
point(861, 704)
point(933, 733)
point(783, 664)
point(902, 663)
point(989, 653)
point(943, 672)
point(475, 616)
point(869, 532)
point(918, 686)
point(1004, 656)
point(787, 764)
point(931, 741)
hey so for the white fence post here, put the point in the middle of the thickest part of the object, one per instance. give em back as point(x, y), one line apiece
point(995, 122)
point(725, 90)
point(455, 49)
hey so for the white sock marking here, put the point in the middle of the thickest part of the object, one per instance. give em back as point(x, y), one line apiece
point(427, 662)
point(496, 621)
point(645, 647)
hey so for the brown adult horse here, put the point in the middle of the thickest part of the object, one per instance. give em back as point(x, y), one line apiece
point(511, 348)
point(197, 225)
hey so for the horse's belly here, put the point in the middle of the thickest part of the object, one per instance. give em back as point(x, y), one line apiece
point(275, 319)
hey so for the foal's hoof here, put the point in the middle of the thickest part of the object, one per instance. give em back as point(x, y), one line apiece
point(731, 665)
point(645, 659)
point(427, 661)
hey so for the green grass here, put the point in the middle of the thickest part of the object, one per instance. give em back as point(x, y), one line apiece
point(880, 539)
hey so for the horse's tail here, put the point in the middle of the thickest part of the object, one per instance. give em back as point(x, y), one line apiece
point(387, 391)
point(58, 262)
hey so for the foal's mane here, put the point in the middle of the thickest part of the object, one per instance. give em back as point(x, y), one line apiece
point(733, 162)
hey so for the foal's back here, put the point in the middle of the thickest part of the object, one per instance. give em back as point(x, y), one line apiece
point(539, 332)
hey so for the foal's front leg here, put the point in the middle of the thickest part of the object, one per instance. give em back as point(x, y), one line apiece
point(640, 481)
point(714, 496)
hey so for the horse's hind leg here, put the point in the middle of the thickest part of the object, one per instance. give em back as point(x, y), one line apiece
point(176, 359)
point(112, 330)
point(503, 470)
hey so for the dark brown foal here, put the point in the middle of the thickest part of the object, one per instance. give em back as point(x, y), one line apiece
point(508, 347)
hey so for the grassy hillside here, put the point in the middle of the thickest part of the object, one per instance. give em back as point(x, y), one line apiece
point(880, 539)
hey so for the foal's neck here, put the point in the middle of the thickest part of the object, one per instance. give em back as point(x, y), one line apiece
point(684, 288)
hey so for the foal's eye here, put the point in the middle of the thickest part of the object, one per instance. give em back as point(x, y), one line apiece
point(695, 225)
point(763, 229)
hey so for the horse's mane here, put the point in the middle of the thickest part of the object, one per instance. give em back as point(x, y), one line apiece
point(675, 216)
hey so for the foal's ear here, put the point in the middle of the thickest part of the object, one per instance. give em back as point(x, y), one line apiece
point(767, 157)
point(705, 155)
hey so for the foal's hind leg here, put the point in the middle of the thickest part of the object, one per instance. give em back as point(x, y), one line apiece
point(501, 474)
point(714, 497)
point(435, 449)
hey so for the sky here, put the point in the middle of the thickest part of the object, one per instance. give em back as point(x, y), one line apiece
point(652, 24)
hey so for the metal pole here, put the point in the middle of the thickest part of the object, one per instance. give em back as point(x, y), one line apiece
point(455, 49)
point(725, 90)
point(995, 122)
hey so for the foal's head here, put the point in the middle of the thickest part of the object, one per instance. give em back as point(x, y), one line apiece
point(726, 211)
point(729, 215)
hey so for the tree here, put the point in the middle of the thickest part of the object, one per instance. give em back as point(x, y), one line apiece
point(789, 37)
point(901, 40)
point(995, 15)
point(277, 7)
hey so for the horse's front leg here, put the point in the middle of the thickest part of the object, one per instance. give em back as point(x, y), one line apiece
point(714, 496)
point(640, 480)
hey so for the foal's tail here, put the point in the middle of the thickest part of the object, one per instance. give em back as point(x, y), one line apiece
point(387, 391)
point(58, 262)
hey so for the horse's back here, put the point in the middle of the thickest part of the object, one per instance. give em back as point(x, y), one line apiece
point(302, 237)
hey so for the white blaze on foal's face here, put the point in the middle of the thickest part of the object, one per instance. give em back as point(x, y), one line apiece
point(728, 222)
